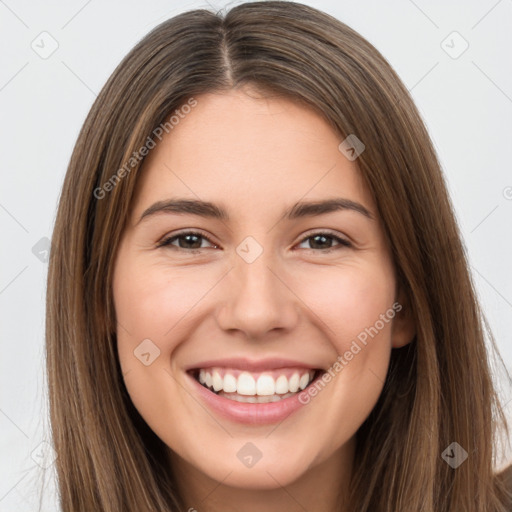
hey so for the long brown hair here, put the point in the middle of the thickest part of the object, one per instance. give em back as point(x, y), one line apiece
point(439, 388)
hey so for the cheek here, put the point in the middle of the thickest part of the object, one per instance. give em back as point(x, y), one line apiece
point(349, 300)
point(151, 303)
point(355, 306)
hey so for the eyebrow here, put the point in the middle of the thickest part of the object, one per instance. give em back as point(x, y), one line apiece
point(211, 210)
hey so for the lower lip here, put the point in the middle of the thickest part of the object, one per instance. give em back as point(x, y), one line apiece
point(251, 414)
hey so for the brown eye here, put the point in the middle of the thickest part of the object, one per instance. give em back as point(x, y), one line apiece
point(322, 241)
point(189, 240)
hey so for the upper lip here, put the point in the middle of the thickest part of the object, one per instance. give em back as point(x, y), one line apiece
point(251, 365)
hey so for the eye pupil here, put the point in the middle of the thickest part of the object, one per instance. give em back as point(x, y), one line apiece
point(315, 237)
point(188, 238)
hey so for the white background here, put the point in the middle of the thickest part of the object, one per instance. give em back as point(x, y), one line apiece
point(466, 104)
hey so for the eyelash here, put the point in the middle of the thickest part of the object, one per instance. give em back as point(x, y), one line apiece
point(166, 242)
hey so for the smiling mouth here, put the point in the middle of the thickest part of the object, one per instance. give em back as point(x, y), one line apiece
point(256, 388)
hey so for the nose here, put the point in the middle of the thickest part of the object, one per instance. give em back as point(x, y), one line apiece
point(257, 300)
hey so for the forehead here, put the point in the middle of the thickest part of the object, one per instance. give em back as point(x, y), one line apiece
point(249, 153)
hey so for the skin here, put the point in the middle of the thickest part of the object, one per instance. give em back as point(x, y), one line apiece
point(255, 157)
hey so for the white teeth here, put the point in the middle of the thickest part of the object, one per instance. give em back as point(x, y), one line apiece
point(217, 381)
point(229, 383)
point(293, 383)
point(246, 385)
point(265, 385)
point(282, 385)
point(304, 380)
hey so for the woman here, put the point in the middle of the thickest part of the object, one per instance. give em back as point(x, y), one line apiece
point(258, 370)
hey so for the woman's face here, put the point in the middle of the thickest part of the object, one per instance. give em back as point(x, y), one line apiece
point(258, 300)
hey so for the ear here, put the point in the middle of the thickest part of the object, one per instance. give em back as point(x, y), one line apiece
point(403, 329)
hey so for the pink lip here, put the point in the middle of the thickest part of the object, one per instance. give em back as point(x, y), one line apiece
point(251, 365)
point(250, 414)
